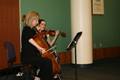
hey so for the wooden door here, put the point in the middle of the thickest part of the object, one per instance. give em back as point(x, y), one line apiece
point(9, 29)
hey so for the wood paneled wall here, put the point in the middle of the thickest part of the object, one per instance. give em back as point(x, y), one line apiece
point(65, 57)
point(105, 53)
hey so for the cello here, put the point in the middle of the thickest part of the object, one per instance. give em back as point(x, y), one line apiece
point(49, 54)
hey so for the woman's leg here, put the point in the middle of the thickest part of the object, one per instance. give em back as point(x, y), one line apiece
point(46, 70)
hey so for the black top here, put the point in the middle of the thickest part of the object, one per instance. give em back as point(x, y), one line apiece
point(29, 52)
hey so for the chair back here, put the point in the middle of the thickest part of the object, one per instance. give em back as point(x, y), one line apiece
point(11, 54)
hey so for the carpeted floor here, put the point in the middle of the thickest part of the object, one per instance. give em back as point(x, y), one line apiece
point(99, 70)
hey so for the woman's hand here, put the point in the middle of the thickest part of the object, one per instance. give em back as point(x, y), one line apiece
point(42, 50)
point(57, 32)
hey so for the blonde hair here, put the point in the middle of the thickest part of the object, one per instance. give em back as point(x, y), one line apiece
point(27, 19)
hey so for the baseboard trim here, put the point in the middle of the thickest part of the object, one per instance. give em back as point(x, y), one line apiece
point(79, 65)
point(84, 65)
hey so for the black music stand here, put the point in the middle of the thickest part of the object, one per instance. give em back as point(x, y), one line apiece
point(71, 45)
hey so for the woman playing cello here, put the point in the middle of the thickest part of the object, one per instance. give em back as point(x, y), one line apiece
point(30, 49)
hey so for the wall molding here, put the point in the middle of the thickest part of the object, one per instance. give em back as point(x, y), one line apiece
point(98, 54)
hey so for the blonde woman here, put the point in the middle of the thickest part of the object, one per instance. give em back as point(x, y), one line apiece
point(30, 49)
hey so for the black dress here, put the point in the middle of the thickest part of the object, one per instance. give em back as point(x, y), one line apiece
point(30, 55)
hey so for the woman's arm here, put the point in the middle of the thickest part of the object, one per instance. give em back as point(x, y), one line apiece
point(52, 42)
point(32, 41)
